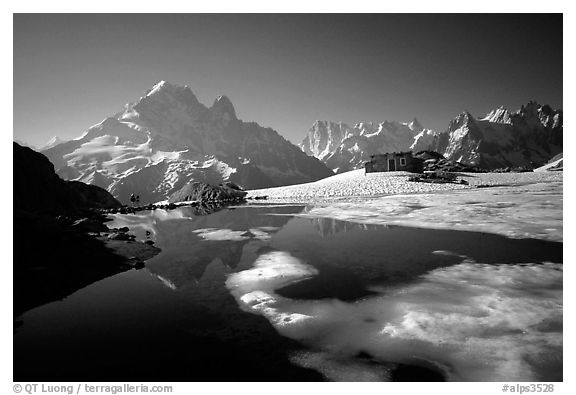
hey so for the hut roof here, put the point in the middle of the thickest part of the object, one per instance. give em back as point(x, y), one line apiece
point(392, 153)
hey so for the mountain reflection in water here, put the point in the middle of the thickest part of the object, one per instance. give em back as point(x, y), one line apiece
point(186, 317)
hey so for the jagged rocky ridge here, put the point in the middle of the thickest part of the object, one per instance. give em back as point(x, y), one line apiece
point(343, 148)
point(167, 138)
point(528, 137)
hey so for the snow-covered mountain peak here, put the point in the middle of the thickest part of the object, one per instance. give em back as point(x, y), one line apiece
point(364, 125)
point(461, 119)
point(363, 129)
point(158, 86)
point(527, 137)
point(415, 126)
point(531, 108)
point(534, 114)
point(222, 105)
point(52, 142)
point(467, 116)
point(499, 115)
point(163, 88)
point(325, 124)
point(167, 138)
point(166, 109)
point(462, 124)
point(164, 91)
point(222, 99)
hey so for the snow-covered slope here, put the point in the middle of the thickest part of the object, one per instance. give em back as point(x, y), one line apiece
point(167, 138)
point(357, 183)
point(52, 142)
point(527, 137)
point(345, 148)
point(555, 164)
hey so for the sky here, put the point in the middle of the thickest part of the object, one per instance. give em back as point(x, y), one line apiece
point(283, 70)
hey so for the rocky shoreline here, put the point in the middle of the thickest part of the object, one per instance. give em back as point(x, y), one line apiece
point(56, 256)
point(61, 241)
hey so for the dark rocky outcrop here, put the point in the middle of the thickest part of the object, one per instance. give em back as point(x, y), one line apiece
point(89, 225)
point(92, 196)
point(202, 192)
point(38, 189)
point(53, 258)
point(434, 161)
point(427, 155)
point(58, 242)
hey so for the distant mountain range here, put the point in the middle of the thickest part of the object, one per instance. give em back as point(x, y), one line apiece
point(167, 138)
point(527, 137)
point(343, 148)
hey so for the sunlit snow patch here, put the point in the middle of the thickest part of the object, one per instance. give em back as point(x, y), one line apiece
point(221, 234)
point(254, 288)
point(474, 321)
point(529, 211)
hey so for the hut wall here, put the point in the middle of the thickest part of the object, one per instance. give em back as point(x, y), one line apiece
point(403, 161)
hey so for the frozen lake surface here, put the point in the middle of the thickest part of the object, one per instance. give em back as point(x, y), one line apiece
point(463, 285)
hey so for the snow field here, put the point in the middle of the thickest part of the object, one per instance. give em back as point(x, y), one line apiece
point(356, 183)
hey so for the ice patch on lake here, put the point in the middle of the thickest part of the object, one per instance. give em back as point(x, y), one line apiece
point(220, 234)
point(166, 282)
point(474, 321)
point(254, 288)
point(528, 211)
point(262, 233)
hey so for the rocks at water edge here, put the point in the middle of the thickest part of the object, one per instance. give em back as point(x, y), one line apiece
point(202, 192)
point(89, 225)
point(61, 243)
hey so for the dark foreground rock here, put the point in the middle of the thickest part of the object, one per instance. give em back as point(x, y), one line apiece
point(53, 259)
point(61, 243)
point(38, 189)
point(89, 225)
